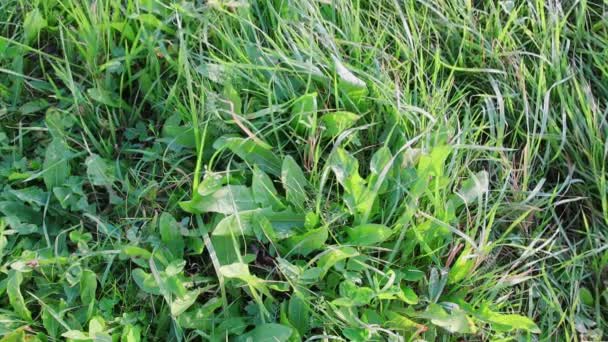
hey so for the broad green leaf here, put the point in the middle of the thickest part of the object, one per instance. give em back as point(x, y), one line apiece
point(33, 23)
point(264, 192)
point(210, 184)
point(49, 322)
point(236, 270)
point(507, 322)
point(299, 314)
point(76, 335)
point(99, 172)
point(58, 122)
point(96, 325)
point(171, 236)
point(368, 234)
point(88, 287)
point(33, 107)
point(106, 97)
point(232, 96)
point(408, 295)
point(181, 304)
point(145, 281)
point(433, 164)
point(239, 270)
point(294, 182)
point(244, 223)
point(346, 169)
point(357, 334)
point(269, 332)
point(171, 281)
point(337, 122)
point(356, 295)
point(253, 153)
point(56, 163)
point(346, 79)
point(400, 322)
point(225, 248)
point(586, 296)
point(131, 333)
point(305, 243)
point(462, 267)
point(437, 281)
point(412, 274)
point(353, 89)
point(456, 321)
point(229, 199)
point(200, 316)
point(181, 134)
point(304, 113)
point(13, 289)
point(136, 252)
point(14, 336)
point(333, 256)
point(379, 167)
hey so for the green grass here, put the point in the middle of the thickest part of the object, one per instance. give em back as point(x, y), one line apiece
point(283, 170)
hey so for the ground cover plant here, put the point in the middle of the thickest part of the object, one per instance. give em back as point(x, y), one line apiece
point(282, 170)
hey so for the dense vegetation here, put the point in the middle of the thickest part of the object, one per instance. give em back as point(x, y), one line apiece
point(282, 170)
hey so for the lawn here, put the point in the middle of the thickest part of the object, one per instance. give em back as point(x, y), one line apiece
point(283, 170)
